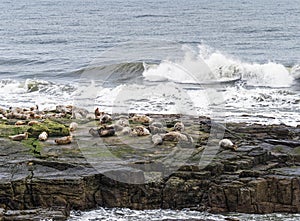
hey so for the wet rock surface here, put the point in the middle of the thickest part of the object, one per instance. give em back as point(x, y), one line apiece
point(262, 176)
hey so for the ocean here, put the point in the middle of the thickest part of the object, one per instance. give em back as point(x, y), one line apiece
point(232, 60)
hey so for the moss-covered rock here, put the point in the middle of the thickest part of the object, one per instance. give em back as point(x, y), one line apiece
point(34, 145)
point(51, 127)
point(7, 130)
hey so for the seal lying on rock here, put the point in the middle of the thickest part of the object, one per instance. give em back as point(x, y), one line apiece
point(43, 136)
point(125, 131)
point(20, 122)
point(33, 122)
point(157, 124)
point(73, 126)
point(105, 118)
point(102, 117)
point(19, 137)
point(140, 131)
point(104, 131)
point(143, 119)
point(179, 126)
point(157, 139)
point(227, 144)
point(175, 136)
point(63, 140)
point(156, 130)
point(121, 124)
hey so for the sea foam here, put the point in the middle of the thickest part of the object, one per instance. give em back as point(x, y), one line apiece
point(216, 66)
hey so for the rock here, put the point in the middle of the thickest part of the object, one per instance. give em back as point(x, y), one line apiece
point(52, 128)
point(249, 173)
point(290, 143)
point(259, 177)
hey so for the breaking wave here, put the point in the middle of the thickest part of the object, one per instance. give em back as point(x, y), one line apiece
point(209, 66)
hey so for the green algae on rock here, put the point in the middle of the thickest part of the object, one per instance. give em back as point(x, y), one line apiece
point(35, 146)
point(51, 127)
point(8, 130)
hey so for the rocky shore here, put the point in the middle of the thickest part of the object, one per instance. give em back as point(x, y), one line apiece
point(40, 180)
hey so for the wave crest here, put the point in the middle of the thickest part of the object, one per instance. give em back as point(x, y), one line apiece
point(221, 67)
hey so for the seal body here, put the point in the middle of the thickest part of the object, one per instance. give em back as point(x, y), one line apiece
point(73, 126)
point(174, 136)
point(179, 126)
point(143, 119)
point(32, 122)
point(227, 144)
point(121, 124)
point(20, 122)
point(63, 140)
point(140, 131)
point(103, 131)
point(106, 131)
point(157, 139)
point(43, 136)
point(105, 118)
point(126, 131)
point(19, 137)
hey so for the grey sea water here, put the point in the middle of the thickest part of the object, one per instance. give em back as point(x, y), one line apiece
point(46, 46)
point(54, 38)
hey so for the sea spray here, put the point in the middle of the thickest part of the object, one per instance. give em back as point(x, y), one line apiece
point(221, 67)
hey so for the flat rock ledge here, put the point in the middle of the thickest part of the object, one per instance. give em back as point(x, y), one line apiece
point(262, 176)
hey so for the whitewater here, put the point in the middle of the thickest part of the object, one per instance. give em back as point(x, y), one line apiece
point(265, 93)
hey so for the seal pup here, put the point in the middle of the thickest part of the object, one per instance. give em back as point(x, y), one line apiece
point(63, 140)
point(43, 136)
point(157, 139)
point(175, 136)
point(179, 126)
point(143, 119)
point(19, 137)
point(227, 144)
point(140, 131)
point(73, 126)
